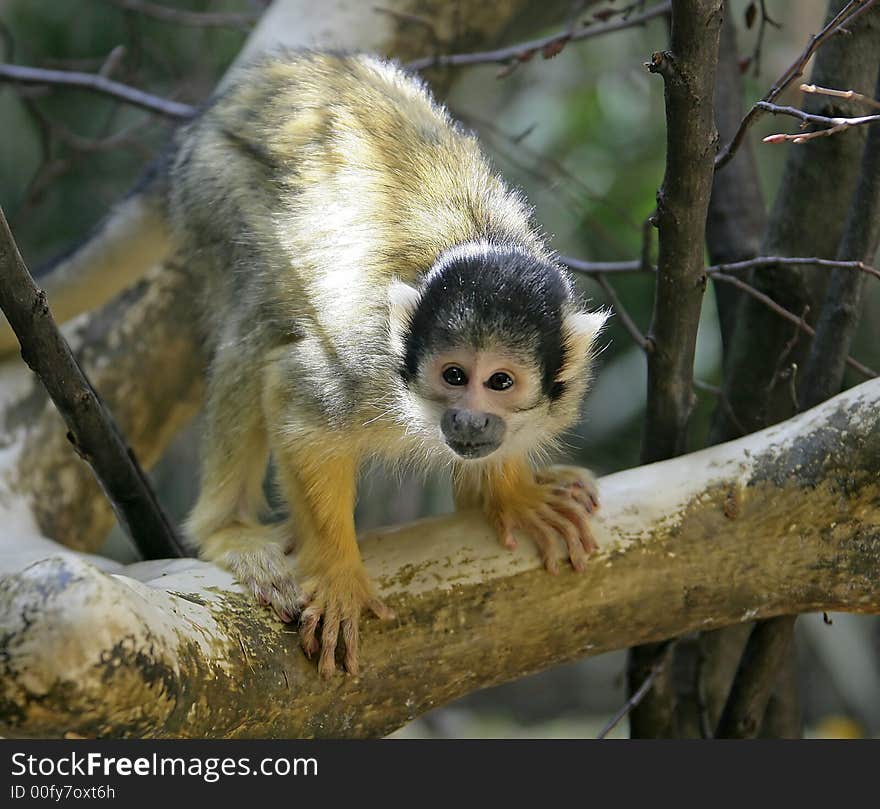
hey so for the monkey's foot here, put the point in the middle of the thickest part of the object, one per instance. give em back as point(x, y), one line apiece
point(335, 600)
point(266, 574)
point(557, 505)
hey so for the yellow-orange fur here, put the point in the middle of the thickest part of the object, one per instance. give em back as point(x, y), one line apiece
point(299, 201)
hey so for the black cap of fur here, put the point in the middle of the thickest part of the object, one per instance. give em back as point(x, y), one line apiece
point(484, 297)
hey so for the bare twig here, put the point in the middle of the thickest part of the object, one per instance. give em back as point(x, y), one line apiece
point(793, 261)
point(789, 371)
point(112, 62)
point(634, 700)
point(839, 316)
point(787, 315)
point(548, 46)
point(846, 16)
point(718, 393)
point(93, 432)
point(721, 272)
point(603, 267)
point(849, 95)
point(596, 267)
point(764, 21)
point(178, 16)
point(98, 84)
point(833, 125)
point(626, 320)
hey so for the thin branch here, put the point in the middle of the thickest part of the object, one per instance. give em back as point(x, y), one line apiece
point(97, 84)
point(201, 19)
point(93, 432)
point(793, 261)
point(848, 14)
point(787, 315)
point(765, 20)
point(842, 306)
point(718, 393)
point(634, 700)
point(548, 46)
point(597, 267)
point(833, 125)
point(849, 95)
point(625, 319)
point(603, 267)
point(721, 272)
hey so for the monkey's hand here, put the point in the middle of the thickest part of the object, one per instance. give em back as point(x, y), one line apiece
point(335, 598)
point(259, 565)
point(556, 503)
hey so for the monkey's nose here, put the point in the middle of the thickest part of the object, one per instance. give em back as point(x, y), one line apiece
point(469, 421)
point(472, 433)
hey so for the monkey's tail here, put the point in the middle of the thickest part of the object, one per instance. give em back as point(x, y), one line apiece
point(130, 240)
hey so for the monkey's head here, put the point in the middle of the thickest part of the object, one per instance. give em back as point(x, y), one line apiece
point(494, 354)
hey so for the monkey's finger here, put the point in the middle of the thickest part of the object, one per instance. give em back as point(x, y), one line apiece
point(545, 539)
point(504, 527)
point(329, 637)
point(581, 520)
point(283, 599)
point(569, 534)
point(307, 630)
point(380, 609)
point(582, 496)
point(351, 641)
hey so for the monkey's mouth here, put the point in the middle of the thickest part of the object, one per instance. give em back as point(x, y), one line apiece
point(472, 450)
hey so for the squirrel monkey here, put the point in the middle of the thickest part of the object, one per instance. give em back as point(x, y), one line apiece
point(369, 288)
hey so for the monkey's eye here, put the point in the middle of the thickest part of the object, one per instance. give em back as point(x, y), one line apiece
point(453, 375)
point(500, 381)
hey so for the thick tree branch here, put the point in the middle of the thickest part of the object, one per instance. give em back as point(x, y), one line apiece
point(93, 432)
point(798, 225)
point(769, 645)
point(823, 371)
point(688, 71)
point(737, 215)
point(787, 520)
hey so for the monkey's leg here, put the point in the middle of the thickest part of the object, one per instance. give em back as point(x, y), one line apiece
point(224, 523)
point(319, 482)
point(552, 504)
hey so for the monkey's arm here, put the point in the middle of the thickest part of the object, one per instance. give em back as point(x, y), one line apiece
point(319, 481)
point(780, 522)
point(133, 238)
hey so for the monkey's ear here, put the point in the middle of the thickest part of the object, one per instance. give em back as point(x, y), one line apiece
point(402, 302)
point(581, 330)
